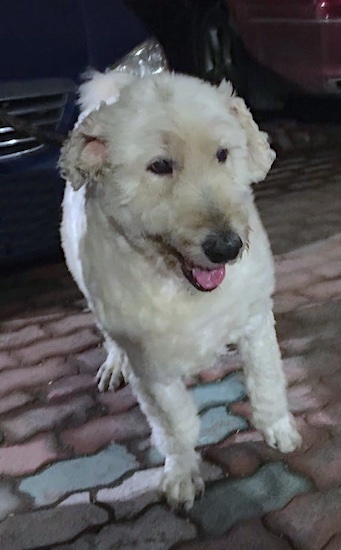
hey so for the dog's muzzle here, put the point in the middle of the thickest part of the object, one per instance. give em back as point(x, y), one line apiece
point(219, 248)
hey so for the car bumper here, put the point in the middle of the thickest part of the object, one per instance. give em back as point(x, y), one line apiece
point(304, 52)
point(300, 41)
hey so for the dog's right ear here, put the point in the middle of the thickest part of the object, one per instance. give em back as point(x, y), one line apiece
point(84, 156)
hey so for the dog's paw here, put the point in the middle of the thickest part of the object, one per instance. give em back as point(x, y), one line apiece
point(182, 489)
point(283, 435)
point(181, 485)
point(109, 375)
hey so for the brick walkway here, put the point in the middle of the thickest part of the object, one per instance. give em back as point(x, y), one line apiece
point(77, 470)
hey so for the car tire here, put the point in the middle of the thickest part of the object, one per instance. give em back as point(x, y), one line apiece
point(214, 45)
point(218, 53)
point(263, 92)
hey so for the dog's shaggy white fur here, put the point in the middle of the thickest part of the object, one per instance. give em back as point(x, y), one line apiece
point(157, 168)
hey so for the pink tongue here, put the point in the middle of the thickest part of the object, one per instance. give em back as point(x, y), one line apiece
point(209, 279)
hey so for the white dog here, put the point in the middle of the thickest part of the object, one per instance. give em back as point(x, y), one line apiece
point(158, 210)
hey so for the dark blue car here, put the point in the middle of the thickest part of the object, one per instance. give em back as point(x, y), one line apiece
point(46, 46)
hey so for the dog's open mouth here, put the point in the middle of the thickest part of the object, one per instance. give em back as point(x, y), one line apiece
point(204, 279)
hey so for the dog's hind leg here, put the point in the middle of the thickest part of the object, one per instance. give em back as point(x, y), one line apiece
point(173, 418)
point(110, 374)
point(266, 384)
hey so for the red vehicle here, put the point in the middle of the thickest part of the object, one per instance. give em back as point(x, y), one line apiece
point(300, 40)
point(268, 48)
point(272, 48)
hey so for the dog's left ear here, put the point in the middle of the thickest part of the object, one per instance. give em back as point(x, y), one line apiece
point(84, 155)
point(260, 154)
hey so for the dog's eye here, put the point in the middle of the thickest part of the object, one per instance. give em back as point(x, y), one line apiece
point(221, 154)
point(161, 167)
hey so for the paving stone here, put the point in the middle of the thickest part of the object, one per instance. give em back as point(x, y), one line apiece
point(211, 472)
point(7, 361)
point(288, 302)
point(64, 296)
point(241, 453)
point(153, 458)
point(225, 366)
point(317, 320)
point(324, 290)
point(329, 416)
point(333, 382)
point(72, 343)
point(299, 209)
point(237, 460)
point(322, 519)
point(9, 500)
point(216, 424)
point(294, 280)
point(307, 397)
point(29, 423)
point(296, 346)
point(192, 380)
point(241, 408)
point(289, 263)
point(92, 359)
point(69, 386)
point(243, 437)
point(76, 498)
point(321, 463)
point(157, 529)
point(98, 432)
point(22, 378)
point(14, 401)
point(320, 323)
point(219, 393)
point(295, 369)
point(118, 401)
point(334, 544)
point(71, 323)
point(311, 435)
point(322, 365)
point(228, 501)
point(76, 364)
point(78, 474)
point(47, 527)
point(329, 270)
point(85, 542)
point(19, 460)
point(21, 338)
point(134, 494)
point(142, 489)
point(250, 535)
point(38, 317)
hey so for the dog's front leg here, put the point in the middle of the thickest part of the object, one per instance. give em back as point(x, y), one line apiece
point(110, 373)
point(266, 384)
point(175, 428)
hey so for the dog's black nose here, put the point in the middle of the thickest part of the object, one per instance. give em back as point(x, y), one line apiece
point(222, 247)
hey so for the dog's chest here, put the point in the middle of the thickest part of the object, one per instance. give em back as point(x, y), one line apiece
point(175, 327)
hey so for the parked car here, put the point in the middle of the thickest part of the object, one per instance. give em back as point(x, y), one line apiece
point(268, 48)
point(46, 46)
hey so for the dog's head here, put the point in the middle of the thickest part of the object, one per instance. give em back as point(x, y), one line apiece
point(170, 164)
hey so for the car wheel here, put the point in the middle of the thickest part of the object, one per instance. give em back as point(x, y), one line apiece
point(219, 53)
point(263, 92)
point(214, 46)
